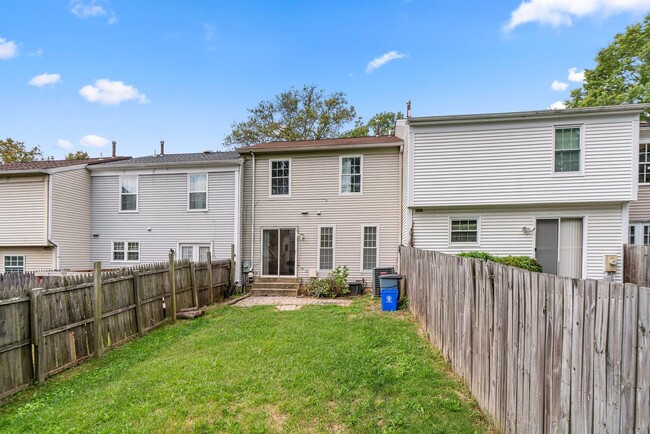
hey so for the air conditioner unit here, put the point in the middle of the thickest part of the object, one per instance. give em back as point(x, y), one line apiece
point(376, 272)
point(313, 273)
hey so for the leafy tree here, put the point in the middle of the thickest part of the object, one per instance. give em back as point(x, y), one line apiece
point(622, 72)
point(380, 124)
point(78, 155)
point(12, 151)
point(297, 114)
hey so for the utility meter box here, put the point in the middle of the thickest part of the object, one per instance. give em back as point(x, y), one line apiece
point(610, 263)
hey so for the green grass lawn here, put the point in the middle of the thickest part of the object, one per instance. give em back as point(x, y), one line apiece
point(319, 369)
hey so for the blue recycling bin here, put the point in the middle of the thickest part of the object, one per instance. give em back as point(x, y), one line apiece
point(389, 284)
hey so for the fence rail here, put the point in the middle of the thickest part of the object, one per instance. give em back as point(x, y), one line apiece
point(540, 353)
point(50, 324)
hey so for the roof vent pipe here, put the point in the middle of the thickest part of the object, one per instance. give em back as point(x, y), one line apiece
point(114, 151)
point(162, 147)
point(408, 108)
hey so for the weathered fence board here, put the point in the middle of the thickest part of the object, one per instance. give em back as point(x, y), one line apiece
point(46, 330)
point(540, 353)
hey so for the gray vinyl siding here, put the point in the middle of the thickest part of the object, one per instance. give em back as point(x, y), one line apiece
point(513, 163)
point(36, 258)
point(23, 220)
point(640, 209)
point(315, 188)
point(501, 234)
point(71, 218)
point(162, 206)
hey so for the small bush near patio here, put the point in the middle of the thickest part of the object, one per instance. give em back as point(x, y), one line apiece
point(335, 285)
point(319, 369)
point(525, 262)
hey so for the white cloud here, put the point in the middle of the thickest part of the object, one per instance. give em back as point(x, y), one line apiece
point(45, 79)
point(91, 9)
point(36, 53)
point(576, 76)
point(558, 13)
point(557, 105)
point(382, 60)
point(63, 144)
point(8, 49)
point(559, 85)
point(94, 141)
point(209, 31)
point(111, 92)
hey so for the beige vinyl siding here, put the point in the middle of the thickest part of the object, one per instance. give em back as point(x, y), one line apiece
point(501, 233)
point(512, 163)
point(315, 188)
point(36, 258)
point(247, 208)
point(71, 218)
point(23, 210)
point(162, 206)
point(640, 208)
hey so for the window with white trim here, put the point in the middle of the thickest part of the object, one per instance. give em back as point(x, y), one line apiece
point(370, 250)
point(14, 264)
point(194, 252)
point(326, 248)
point(126, 251)
point(280, 177)
point(351, 175)
point(129, 193)
point(644, 163)
point(198, 192)
point(463, 231)
point(631, 240)
point(567, 149)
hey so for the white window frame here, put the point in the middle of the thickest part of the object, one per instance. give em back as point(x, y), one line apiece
point(581, 151)
point(360, 192)
point(126, 251)
point(368, 225)
point(646, 179)
point(320, 268)
point(4, 264)
point(195, 249)
point(137, 194)
point(465, 243)
point(189, 191)
point(276, 196)
point(641, 231)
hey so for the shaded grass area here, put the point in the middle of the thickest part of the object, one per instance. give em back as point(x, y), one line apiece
point(319, 369)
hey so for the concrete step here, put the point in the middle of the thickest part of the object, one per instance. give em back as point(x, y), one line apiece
point(275, 285)
point(274, 292)
point(277, 280)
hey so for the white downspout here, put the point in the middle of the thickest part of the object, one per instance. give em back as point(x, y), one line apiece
point(253, 214)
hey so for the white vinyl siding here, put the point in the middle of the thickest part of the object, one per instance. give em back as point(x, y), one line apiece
point(501, 231)
point(352, 175)
point(14, 264)
point(197, 199)
point(128, 193)
point(280, 173)
point(512, 163)
point(326, 244)
point(23, 210)
point(35, 258)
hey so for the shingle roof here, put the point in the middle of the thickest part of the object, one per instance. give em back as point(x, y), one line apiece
point(53, 164)
point(175, 158)
point(322, 143)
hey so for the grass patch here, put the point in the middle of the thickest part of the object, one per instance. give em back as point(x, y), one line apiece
point(318, 369)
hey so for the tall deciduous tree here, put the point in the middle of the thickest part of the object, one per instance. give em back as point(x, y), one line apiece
point(380, 124)
point(12, 151)
point(78, 155)
point(622, 72)
point(297, 114)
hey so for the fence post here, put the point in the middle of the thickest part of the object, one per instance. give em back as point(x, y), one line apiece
point(195, 289)
point(138, 302)
point(210, 296)
point(232, 267)
point(37, 334)
point(97, 274)
point(172, 286)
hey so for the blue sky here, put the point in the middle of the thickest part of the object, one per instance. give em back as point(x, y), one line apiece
point(78, 74)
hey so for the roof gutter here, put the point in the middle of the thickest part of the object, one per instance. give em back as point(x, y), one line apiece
point(281, 148)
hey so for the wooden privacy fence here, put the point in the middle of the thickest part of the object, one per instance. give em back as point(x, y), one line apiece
point(49, 325)
point(540, 353)
point(636, 264)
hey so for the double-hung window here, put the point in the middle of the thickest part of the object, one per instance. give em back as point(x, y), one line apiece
point(326, 248)
point(644, 163)
point(195, 252)
point(126, 251)
point(129, 193)
point(370, 249)
point(567, 149)
point(464, 231)
point(198, 192)
point(280, 177)
point(14, 264)
point(351, 174)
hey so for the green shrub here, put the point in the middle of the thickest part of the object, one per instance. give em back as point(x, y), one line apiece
point(335, 285)
point(524, 262)
point(318, 288)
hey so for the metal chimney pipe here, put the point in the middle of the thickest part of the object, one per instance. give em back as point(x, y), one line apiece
point(162, 147)
point(408, 108)
point(114, 152)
